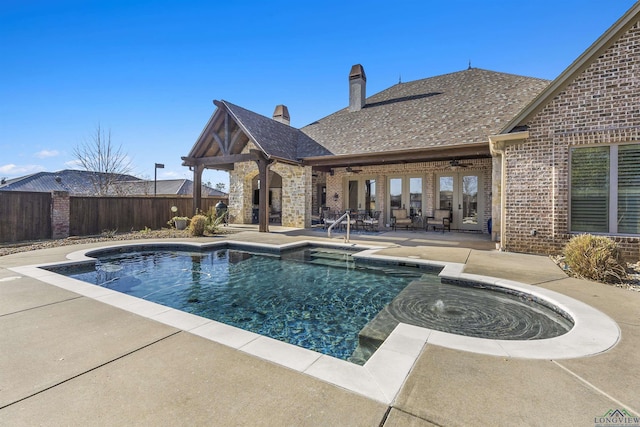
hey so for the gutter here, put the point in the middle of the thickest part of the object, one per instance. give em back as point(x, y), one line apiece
point(497, 146)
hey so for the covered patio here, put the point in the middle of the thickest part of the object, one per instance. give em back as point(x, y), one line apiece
point(258, 152)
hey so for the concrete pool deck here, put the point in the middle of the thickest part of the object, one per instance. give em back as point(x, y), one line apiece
point(69, 359)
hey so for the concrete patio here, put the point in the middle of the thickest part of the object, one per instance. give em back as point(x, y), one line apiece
point(68, 359)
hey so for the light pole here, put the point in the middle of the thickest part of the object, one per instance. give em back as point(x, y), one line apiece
point(155, 177)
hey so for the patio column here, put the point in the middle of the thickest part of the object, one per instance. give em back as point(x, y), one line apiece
point(263, 175)
point(197, 187)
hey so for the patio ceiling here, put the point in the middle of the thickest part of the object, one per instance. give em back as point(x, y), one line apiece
point(430, 154)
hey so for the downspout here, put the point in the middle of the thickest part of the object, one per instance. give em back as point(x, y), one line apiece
point(497, 147)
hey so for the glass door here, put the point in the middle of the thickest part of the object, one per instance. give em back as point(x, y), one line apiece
point(361, 195)
point(352, 204)
point(395, 193)
point(458, 192)
point(415, 197)
point(370, 196)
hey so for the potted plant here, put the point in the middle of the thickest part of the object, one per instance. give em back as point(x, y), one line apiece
point(179, 222)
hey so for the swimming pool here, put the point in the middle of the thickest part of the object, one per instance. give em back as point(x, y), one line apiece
point(318, 298)
point(386, 370)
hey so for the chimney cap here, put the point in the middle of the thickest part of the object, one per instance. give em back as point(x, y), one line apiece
point(357, 72)
point(281, 114)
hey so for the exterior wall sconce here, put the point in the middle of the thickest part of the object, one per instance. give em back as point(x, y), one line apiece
point(336, 197)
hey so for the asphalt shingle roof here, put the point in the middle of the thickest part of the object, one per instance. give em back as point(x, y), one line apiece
point(452, 109)
point(73, 181)
point(78, 183)
point(274, 138)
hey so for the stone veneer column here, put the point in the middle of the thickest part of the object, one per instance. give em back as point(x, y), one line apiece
point(296, 194)
point(60, 202)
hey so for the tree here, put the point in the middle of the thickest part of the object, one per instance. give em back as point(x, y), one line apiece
point(221, 186)
point(107, 162)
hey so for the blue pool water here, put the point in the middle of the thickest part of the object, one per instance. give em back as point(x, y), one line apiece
point(315, 298)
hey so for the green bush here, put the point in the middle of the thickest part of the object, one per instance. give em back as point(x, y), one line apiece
point(197, 225)
point(213, 221)
point(595, 258)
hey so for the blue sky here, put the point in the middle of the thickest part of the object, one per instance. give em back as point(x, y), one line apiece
point(148, 71)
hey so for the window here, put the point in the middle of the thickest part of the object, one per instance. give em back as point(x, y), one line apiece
point(395, 193)
point(370, 195)
point(629, 189)
point(590, 189)
point(446, 192)
point(605, 189)
point(415, 196)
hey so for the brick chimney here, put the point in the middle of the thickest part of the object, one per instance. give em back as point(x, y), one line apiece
point(281, 114)
point(357, 88)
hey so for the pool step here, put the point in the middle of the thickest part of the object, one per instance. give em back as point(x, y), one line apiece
point(333, 263)
point(331, 258)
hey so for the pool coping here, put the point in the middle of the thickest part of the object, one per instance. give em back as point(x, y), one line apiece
point(384, 373)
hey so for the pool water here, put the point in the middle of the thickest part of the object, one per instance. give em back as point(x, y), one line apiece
point(316, 298)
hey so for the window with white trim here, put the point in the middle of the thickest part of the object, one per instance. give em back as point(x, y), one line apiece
point(605, 189)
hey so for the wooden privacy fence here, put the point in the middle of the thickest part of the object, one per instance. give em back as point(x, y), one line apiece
point(24, 216)
point(93, 215)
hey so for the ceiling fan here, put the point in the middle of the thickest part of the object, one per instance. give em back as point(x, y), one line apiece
point(349, 169)
point(455, 163)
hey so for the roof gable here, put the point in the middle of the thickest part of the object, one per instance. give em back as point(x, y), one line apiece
point(569, 75)
point(231, 127)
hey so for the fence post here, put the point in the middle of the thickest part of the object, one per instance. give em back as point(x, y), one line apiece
point(60, 214)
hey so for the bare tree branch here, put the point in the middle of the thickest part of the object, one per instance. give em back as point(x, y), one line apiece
point(107, 162)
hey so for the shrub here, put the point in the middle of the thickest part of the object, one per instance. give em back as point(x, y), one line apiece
point(197, 225)
point(595, 258)
point(109, 233)
point(213, 221)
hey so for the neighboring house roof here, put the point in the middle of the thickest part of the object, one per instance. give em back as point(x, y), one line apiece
point(78, 182)
point(453, 109)
point(604, 42)
point(73, 181)
point(178, 187)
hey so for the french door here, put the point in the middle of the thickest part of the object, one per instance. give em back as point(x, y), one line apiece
point(406, 192)
point(458, 192)
point(361, 195)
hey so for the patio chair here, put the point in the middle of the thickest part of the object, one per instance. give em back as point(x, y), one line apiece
point(400, 218)
point(371, 223)
point(352, 220)
point(275, 217)
point(329, 219)
point(441, 219)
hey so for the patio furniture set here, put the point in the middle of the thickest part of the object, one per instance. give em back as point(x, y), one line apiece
point(400, 218)
point(357, 220)
point(441, 219)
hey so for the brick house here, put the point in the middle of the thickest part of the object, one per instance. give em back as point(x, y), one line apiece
point(418, 146)
point(570, 161)
point(483, 144)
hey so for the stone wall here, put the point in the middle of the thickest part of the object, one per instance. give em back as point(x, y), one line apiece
point(296, 194)
point(293, 199)
point(601, 106)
